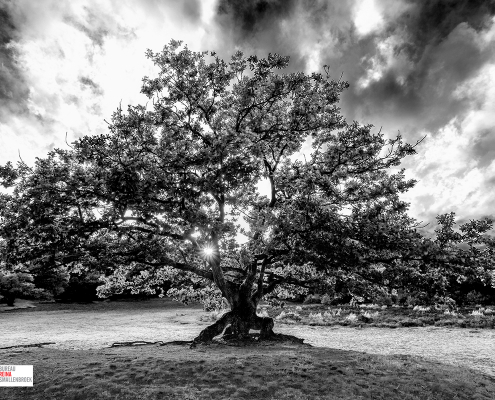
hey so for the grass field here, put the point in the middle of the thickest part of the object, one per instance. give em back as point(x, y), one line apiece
point(81, 365)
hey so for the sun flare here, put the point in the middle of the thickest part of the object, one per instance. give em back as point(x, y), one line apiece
point(208, 251)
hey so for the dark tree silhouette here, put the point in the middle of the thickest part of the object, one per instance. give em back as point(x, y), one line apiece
point(166, 193)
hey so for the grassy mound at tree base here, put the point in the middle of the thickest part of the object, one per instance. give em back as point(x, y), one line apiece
point(277, 371)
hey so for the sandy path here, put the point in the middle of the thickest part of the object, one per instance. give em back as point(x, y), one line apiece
point(92, 329)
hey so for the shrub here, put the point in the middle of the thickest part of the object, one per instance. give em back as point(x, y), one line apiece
point(417, 299)
point(409, 323)
point(408, 301)
point(326, 300)
point(475, 297)
point(81, 288)
point(351, 317)
point(328, 315)
point(370, 315)
point(356, 301)
point(477, 313)
point(421, 309)
point(288, 316)
point(312, 299)
point(384, 301)
point(445, 303)
point(53, 281)
point(332, 313)
point(17, 284)
point(428, 320)
point(446, 322)
point(316, 318)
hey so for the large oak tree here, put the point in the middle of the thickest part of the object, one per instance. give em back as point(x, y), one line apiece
point(168, 192)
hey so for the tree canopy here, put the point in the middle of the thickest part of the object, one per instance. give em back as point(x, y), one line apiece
point(169, 191)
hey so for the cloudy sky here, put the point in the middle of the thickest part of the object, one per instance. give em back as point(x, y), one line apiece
point(421, 67)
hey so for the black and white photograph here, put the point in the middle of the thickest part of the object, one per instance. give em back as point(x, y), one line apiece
point(247, 199)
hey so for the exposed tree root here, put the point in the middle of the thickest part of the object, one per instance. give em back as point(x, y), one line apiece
point(177, 342)
point(233, 337)
point(136, 343)
point(211, 331)
point(144, 343)
point(255, 339)
point(235, 333)
point(27, 345)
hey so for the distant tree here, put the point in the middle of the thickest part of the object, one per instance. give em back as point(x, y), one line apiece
point(38, 231)
point(166, 193)
point(15, 284)
point(462, 260)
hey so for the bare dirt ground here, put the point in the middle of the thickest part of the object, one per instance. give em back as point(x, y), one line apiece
point(96, 326)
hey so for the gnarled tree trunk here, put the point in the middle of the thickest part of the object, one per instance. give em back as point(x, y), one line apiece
point(236, 323)
point(243, 299)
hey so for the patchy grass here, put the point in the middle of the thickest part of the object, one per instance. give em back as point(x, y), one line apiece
point(80, 365)
point(224, 372)
point(390, 317)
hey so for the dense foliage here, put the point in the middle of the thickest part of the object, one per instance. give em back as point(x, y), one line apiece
point(171, 192)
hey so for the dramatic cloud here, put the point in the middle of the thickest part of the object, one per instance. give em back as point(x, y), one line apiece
point(66, 66)
point(421, 68)
point(424, 68)
point(13, 88)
